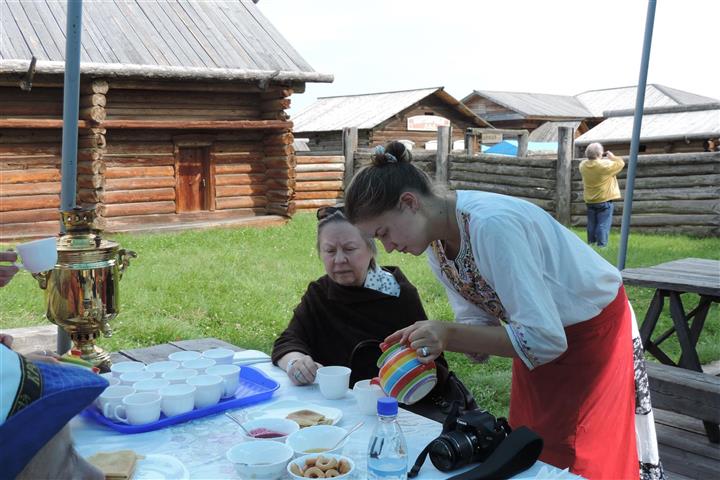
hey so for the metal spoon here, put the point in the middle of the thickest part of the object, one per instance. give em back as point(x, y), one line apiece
point(237, 420)
point(353, 429)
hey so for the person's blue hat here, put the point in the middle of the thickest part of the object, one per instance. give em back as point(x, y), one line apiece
point(36, 401)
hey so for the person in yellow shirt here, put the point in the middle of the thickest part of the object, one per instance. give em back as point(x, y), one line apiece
point(599, 174)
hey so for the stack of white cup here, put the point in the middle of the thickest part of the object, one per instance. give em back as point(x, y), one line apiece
point(139, 393)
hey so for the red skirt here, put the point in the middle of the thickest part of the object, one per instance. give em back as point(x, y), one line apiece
point(583, 403)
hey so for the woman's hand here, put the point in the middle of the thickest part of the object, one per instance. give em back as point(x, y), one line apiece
point(301, 369)
point(44, 356)
point(428, 338)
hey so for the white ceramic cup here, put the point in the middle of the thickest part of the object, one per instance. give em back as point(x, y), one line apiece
point(179, 375)
point(151, 385)
point(208, 389)
point(366, 395)
point(230, 375)
point(39, 255)
point(333, 381)
point(124, 367)
point(112, 380)
point(131, 378)
point(222, 356)
point(158, 368)
point(200, 364)
point(184, 356)
point(177, 399)
point(110, 398)
point(139, 408)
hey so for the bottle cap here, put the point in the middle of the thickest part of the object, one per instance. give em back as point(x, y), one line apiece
point(387, 406)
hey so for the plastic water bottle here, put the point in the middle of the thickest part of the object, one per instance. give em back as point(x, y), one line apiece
point(387, 450)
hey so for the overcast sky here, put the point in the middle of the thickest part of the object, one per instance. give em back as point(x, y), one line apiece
point(551, 46)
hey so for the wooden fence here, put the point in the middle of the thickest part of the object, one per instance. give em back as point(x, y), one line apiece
point(674, 193)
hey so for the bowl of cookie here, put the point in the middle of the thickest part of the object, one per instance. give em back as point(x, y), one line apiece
point(321, 465)
point(317, 439)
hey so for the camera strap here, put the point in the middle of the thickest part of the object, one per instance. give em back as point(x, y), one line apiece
point(516, 453)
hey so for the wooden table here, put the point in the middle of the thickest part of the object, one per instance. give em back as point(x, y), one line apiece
point(159, 353)
point(692, 276)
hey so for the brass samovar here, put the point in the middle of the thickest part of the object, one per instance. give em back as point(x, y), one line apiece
point(82, 290)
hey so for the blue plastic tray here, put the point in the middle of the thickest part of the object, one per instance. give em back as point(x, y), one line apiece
point(254, 387)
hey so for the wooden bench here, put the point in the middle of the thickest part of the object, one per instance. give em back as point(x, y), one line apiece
point(682, 400)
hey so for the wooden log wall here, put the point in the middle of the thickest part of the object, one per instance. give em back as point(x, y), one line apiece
point(240, 170)
point(674, 193)
point(533, 179)
point(29, 179)
point(318, 179)
point(279, 155)
point(157, 105)
point(139, 174)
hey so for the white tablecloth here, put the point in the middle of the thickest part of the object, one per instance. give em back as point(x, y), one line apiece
point(201, 444)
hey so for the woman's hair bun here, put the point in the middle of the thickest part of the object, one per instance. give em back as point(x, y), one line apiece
point(393, 152)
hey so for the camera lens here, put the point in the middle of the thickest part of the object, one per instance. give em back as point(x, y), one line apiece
point(451, 451)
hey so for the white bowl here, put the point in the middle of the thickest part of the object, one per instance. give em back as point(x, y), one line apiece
point(279, 425)
point(220, 355)
point(315, 437)
point(300, 462)
point(263, 459)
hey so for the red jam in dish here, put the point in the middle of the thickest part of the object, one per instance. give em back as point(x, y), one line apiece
point(265, 433)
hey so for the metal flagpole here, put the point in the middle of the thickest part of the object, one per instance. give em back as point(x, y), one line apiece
point(635, 143)
point(71, 111)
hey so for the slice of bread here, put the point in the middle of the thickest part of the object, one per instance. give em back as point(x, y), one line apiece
point(308, 418)
point(116, 465)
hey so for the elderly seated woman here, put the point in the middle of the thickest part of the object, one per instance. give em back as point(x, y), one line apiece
point(344, 315)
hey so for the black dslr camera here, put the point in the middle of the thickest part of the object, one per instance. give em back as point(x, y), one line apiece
point(469, 438)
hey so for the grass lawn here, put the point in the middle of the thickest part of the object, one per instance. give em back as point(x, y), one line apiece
point(241, 285)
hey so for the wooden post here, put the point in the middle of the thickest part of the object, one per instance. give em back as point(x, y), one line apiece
point(522, 145)
point(563, 189)
point(349, 142)
point(469, 143)
point(444, 144)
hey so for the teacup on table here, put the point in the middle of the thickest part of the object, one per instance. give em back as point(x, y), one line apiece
point(118, 369)
point(139, 408)
point(333, 381)
point(222, 356)
point(184, 356)
point(199, 364)
point(230, 375)
point(39, 255)
point(110, 398)
point(177, 399)
point(131, 378)
point(403, 376)
point(208, 389)
point(366, 395)
point(179, 375)
point(158, 368)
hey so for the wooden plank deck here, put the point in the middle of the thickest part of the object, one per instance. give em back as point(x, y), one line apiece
point(685, 450)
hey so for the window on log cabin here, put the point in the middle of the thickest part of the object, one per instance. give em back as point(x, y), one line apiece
point(193, 181)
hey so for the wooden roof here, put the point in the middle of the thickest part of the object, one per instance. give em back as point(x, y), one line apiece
point(621, 98)
point(368, 110)
point(548, 131)
point(203, 39)
point(670, 123)
point(529, 105)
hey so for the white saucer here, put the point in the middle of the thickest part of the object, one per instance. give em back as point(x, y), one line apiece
point(160, 467)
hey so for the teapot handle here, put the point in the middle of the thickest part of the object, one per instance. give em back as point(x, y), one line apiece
point(42, 278)
point(124, 257)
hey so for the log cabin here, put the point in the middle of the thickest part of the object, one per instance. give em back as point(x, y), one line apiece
point(672, 129)
point(526, 111)
point(412, 116)
point(182, 114)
